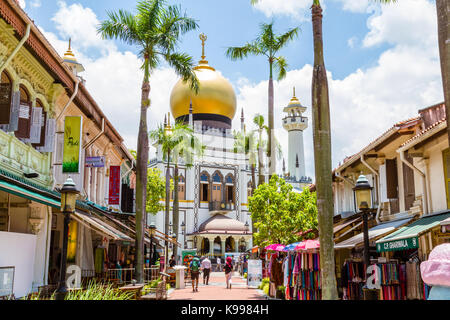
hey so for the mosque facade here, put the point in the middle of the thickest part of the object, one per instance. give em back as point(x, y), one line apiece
point(214, 191)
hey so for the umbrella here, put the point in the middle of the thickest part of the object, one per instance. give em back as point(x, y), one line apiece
point(275, 247)
point(291, 247)
point(308, 244)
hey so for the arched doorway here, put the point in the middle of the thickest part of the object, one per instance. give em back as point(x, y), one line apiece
point(217, 246)
point(205, 246)
point(229, 245)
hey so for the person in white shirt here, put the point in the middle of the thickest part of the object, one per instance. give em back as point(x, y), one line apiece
point(206, 268)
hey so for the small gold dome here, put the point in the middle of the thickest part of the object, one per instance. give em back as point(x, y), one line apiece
point(216, 95)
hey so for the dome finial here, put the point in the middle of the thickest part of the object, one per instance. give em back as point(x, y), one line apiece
point(294, 91)
point(203, 37)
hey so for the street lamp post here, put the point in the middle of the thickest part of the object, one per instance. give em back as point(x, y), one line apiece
point(174, 239)
point(69, 195)
point(152, 229)
point(183, 231)
point(363, 199)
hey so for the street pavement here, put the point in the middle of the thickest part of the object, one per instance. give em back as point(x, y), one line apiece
point(217, 290)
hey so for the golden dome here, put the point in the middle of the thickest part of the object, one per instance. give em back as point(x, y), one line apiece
point(69, 54)
point(216, 95)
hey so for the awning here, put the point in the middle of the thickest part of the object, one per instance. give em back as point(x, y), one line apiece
point(339, 227)
point(408, 237)
point(374, 232)
point(100, 226)
point(24, 193)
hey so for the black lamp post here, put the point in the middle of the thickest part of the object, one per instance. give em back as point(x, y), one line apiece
point(174, 239)
point(183, 231)
point(69, 195)
point(152, 229)
point(363, 202)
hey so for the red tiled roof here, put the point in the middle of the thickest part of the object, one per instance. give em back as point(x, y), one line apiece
point(417, 136)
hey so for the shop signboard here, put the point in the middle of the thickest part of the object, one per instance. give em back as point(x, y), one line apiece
point(95, 162)
point(254, 273)
point(6, 281)
point(72, 144)
point(114, 185)
point(187, 255)
point(398, 245)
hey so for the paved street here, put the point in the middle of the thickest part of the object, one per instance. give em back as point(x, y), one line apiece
point(216, 290)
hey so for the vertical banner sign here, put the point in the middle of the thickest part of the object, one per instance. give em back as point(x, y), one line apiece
point(114, 185)
point(72, 144)
point(254, 273)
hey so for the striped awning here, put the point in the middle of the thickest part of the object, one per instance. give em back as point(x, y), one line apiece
point(28, 194)
point(100, 226)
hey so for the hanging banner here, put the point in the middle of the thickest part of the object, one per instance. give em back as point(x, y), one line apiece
point(254, 273)
point(72, 144)
point(398, 245)
point(114, 185)
point(95, 162)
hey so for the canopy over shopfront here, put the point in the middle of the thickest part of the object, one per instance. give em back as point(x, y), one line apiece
point(408, 237)
point(100, 226)
point(374, 232)
point(28, 194)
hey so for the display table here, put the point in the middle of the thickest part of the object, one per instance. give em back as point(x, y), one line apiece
point(179, 270)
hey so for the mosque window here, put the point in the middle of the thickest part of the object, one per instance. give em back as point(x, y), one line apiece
point(216, 178)
point(229, 179)
point(204, 178)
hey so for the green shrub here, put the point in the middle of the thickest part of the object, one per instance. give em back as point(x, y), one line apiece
point(264, 282)
point(266, 289)
point(97, 291)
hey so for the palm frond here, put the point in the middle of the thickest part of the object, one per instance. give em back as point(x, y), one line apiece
point(239, 53)
point(149, 15)
point(283, 39)
point(183, 64)
point(121, 25)
point(281, 65)
point(258, 119)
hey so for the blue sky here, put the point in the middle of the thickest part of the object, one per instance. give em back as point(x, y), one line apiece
point(383, 62)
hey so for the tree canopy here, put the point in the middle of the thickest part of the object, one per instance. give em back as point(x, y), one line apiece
point(281, 214)
point(156, 189)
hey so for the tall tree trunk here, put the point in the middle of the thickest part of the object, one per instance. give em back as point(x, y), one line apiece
point(443, 15)
point(261, 178)
point(322, 160)
point(253, 190)
point(176, 210)
point(271, 138)
point(141, 181)
point(167, 215)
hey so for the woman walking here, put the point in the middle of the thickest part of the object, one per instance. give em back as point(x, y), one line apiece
point(228, 271)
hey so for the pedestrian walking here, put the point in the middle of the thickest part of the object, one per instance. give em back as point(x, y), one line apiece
point(195, 272)
point(435, 272)
point(228, 271)
point(219, 265)
point(206, 269)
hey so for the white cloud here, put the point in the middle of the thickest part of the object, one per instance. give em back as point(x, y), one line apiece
point(22, 4)
point(295, 8)
point(367, 102)
point(113, 78)
point(36, 3)
point(352, 42)
point(411, 23)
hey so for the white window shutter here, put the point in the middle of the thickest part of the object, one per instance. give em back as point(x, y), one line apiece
point(35, 130)
point(50, 133)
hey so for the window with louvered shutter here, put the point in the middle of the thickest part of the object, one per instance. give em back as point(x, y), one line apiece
point(25, 109)
point(41, 143)
point(391, 179)
point(35, 126)
point(5, 102)
point(50, 132)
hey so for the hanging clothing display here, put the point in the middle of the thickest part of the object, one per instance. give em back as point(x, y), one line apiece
point(353, 280)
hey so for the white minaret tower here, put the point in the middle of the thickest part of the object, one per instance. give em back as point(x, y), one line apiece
point(295, 124)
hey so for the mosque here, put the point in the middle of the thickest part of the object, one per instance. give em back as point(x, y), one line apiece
point(214, 191)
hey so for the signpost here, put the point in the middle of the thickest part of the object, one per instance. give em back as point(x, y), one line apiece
point(400, 244)
point(254, 273)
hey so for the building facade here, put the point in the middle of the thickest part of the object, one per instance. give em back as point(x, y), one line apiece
point(214, 192)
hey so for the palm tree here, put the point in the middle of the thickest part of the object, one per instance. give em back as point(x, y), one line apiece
point(155, 30)
point(246, 143)
point(258, 120)
point(186, 148)
point(443, 16)
point(267, 44)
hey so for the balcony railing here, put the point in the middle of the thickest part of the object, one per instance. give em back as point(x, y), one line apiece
point(221, 206)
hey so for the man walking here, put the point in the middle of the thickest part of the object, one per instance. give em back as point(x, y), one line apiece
point(206, 268)
point(195, 272)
